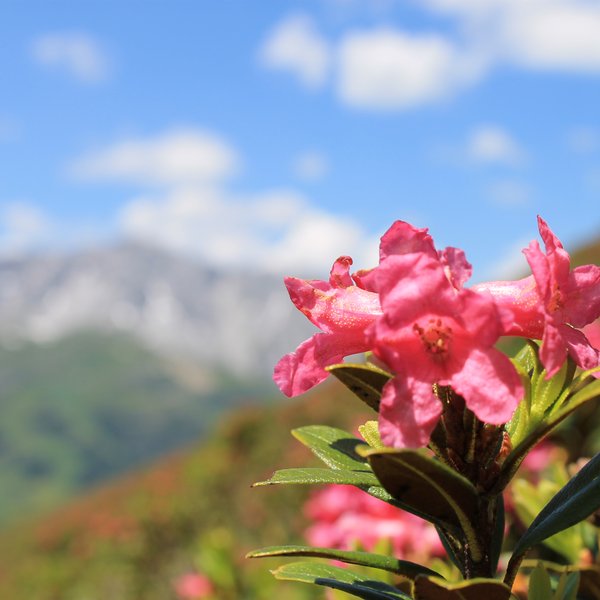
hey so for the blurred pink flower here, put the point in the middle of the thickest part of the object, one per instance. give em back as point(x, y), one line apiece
point(553, 303)
point(193, 586)
point(344, 516)
point(342, 310)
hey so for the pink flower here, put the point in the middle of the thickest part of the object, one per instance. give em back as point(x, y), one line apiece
point(552, 304)
point(342, 310)
point(193, 586)
point(344, 516)
point(345, 306)
point(433, 331)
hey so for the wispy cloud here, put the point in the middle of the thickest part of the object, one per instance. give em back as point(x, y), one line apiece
point(177, 156)
point(584, 140)
point(297, 47)
point(310, 166)
point(494, 144)
point(510, 193)
point(78, 54)
point(23, 227)
point(279, 230)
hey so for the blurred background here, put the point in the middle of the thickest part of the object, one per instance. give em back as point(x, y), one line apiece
point(162, 166)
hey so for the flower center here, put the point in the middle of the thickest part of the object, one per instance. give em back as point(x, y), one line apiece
point(435, 336)
point(556, 300)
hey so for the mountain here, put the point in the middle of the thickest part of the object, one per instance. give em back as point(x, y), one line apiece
point(237, 321)
point(90, 406)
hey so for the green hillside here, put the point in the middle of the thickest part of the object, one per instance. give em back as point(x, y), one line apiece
point(88, 407)
point(131, 538)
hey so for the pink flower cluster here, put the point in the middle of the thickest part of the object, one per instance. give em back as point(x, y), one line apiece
point(414, 313)
point(344, 516)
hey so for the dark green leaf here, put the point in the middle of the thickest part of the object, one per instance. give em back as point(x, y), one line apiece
point(339, 579)
point(364, 380)
point(434, 588)
point(426, 487)
point(404, 568)
point(335, 447)
point(572, 504)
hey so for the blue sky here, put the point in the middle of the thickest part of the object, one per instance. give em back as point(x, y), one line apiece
point(280, 134)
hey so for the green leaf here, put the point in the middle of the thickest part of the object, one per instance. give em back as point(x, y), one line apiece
point(403, 568)
point(572, 504)
point(540, 587)
point(433, 588)
point(335, 447)
point(364, 380)
point(363, 479)
point(339, 579)
point(426, 487)
point(578, 393)
point(370, 433)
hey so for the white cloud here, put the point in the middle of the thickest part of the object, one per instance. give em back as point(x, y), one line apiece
point(175, 157)
point(391, 69)
point(76, 53)
point(493, 144)
point(277, 231)
point(310, 166)
point(297, 47)
point(553, 35)
point(388, 69)
point(23, 226)
point(510, 193)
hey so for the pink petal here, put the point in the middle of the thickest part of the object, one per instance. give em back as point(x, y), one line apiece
point(301, 370)
point(583, 293)
point(525, 316)
point(490, 385)
point(580, 348)
point(408, 413)
point(560, 263)
point(403, 238)
point(481, 317)
point(340, 272)
point(554, 349)
point(539, 267)
point(458, 268)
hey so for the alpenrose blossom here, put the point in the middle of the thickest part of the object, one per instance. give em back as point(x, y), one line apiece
point(433, 331)
point(343, 309)
point(193, 586)
point(553, 304)
point(344, 516)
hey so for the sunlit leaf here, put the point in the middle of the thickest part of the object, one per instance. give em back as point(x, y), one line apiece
point(335, 447)
point(404, 568)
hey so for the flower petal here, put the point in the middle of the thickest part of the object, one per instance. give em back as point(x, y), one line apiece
point(458, 268)
point(490, 385)
point(340, 273)
point(408, 413)
point(301, 370)
point(583, 294)
point(580, 348)
point(554, 348)
point(403, 238)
